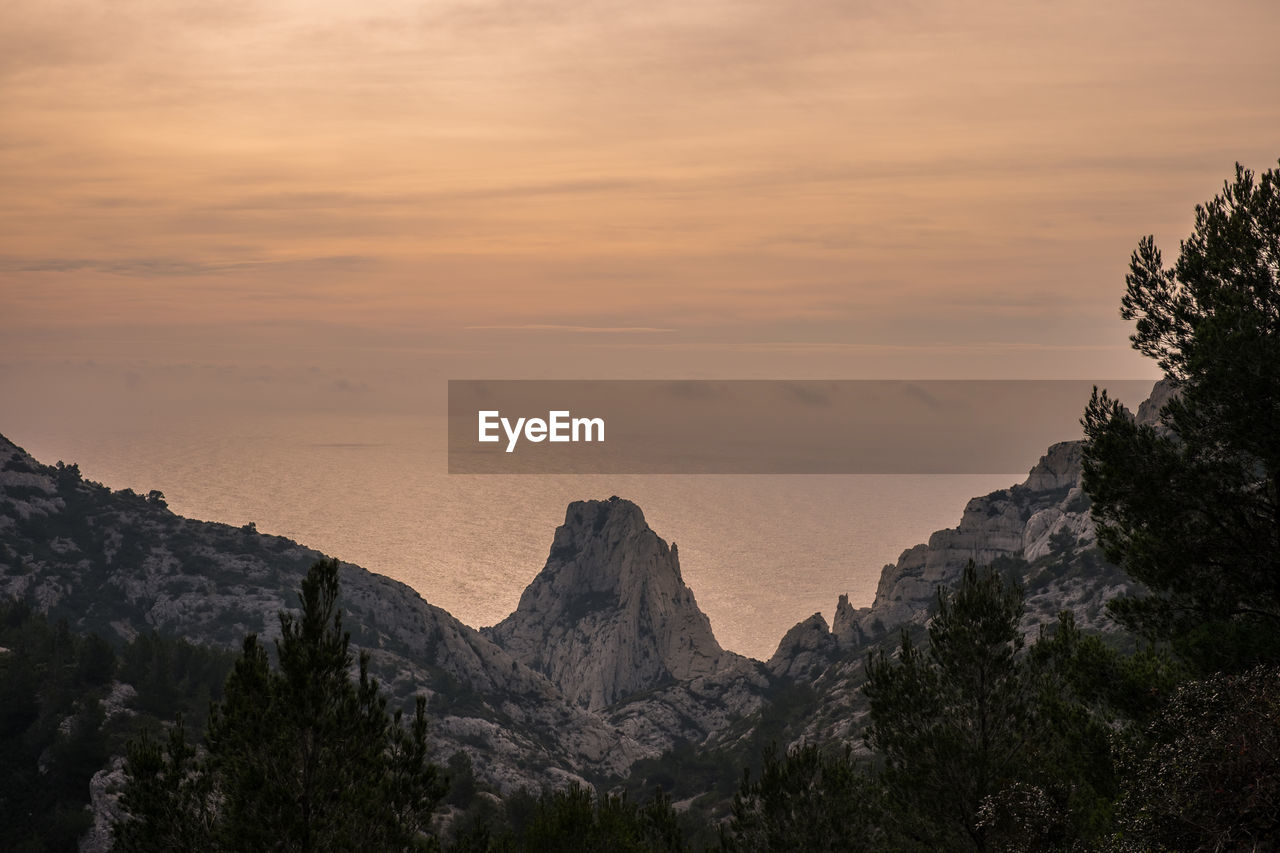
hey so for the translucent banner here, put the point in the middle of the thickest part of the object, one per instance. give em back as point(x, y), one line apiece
point(764, 426)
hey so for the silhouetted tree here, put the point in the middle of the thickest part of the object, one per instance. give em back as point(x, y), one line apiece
point(301, 758)
point(168, 795)
point(952, 721)
point(576, 820)
point(808, 799)
point(52, 733)
point(1192, 509)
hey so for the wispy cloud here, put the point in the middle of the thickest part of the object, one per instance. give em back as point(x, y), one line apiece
point(169, 267)
point(556, 327)
point(720, 184)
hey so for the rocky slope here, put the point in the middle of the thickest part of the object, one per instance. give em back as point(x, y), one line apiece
point(1040, 532)
point(118, 563)
point(607, 660)
point(609, 615)
point(1047, 514)
point(1043, 523)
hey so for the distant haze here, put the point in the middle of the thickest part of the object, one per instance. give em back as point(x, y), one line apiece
point(215, 214)
point(760, 552)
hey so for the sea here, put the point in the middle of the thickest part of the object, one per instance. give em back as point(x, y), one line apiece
point(760, 553)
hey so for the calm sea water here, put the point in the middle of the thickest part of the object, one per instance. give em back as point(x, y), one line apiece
point(760, 552)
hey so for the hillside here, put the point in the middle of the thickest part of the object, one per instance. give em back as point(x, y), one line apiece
point(120, 564)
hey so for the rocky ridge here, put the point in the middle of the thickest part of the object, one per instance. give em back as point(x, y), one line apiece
point(118, 564)
point(1039, 532)
point(1042, 522)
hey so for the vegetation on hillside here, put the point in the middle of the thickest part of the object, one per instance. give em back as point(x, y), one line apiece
point(300, 756)
point(68, 703)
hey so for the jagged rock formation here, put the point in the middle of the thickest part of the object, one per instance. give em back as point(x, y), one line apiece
point(1046, 515)
point(1042, 526)
point(611, 601)
point(845, 626)
point(1040, 531)
point(805, 649)
point(694, 711)
point(1149, 410)
point(609, 615)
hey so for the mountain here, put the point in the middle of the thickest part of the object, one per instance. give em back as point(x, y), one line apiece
point(607, 660)
point(607, 664)
point(120, 564)
point(610, 621)
point(1038, 532)
point(1047, 514)
point(609, 615)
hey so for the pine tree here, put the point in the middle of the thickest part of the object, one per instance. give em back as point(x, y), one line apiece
point(578, 820)
point(808, 799)
point(953, 723)
point(299, 758)
point(169, 797)
point(1192, 509)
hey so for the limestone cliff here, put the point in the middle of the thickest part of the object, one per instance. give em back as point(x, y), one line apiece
point(1048, 512)
point(609, 614)
point(1040, 530)
point(805, 649)
point(1043, 523)
point(1149, 410)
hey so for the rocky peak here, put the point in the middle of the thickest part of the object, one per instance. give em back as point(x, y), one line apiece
point(805, 650)
point(609, 614)
point(1059, 468)
point(845, 625)
point(1161, 394)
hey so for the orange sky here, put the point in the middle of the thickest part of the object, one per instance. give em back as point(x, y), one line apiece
point(544, 187)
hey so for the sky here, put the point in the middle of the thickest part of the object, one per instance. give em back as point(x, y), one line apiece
point(312, 203)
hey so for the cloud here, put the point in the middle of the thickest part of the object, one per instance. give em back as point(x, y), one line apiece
point(170, 267)
point(556, 327)
point(346, 386)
